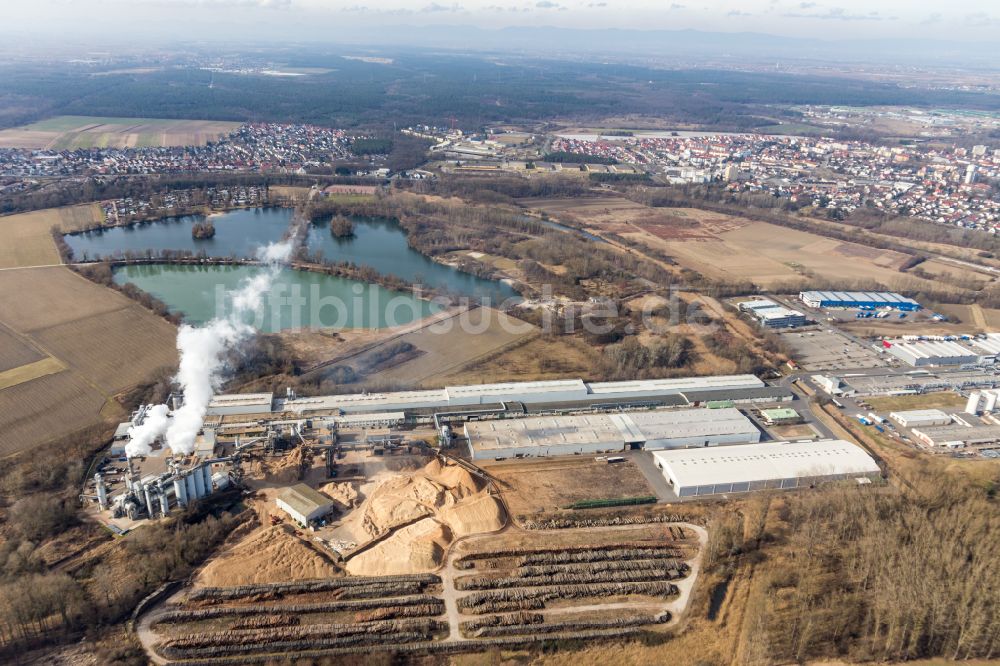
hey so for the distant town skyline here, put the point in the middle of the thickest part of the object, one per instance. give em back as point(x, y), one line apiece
point(312, 19)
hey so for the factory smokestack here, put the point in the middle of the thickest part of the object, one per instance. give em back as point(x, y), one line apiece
point(202, 359)
point(142, 436)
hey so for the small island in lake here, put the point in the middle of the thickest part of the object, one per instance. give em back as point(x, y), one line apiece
point(341, 227)
point(203, 230)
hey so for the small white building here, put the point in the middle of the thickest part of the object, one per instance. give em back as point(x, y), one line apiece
point(303, 504)
point(830, 384)
point(919, 418)
point(772, 465)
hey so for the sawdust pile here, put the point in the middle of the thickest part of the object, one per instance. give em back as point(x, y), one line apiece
point(285, 469)
point(428, 509)
point(416, 547)
point(344, 494)
point(271, 554)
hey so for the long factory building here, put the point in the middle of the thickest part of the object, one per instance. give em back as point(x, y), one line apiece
point(771, 465)
point(949, 350)
point(542, 436)
point(534, 396)
point(858, 299)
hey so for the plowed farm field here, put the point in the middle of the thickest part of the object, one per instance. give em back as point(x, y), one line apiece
point(73, 346)
point(27, 237)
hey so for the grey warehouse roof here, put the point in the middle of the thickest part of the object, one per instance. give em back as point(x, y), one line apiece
point(762, 393)
point(304, 499)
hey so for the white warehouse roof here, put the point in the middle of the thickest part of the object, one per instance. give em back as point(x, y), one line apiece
point(487, 393)
point(920, 417)
point(664, 386)
point(568, 390)
point(758, 304)
point(990, 344)
point(771, 461)
point(241, 402)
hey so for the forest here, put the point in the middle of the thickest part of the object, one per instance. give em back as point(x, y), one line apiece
point(437, 89)
point(876, 574)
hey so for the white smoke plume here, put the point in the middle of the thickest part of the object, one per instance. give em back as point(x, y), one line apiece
point(202, 358)
point(141, 437)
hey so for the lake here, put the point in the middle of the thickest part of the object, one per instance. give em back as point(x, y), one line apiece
point(298, 298)
point(378, 243)
point(237, 233)
point(382, 244)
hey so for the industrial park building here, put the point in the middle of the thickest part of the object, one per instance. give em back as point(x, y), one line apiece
point(601, 433)
point(920, 418)
point(858, 299)
point(532, 394)
point(772, 315)
point(740, 469)
point(958, 435)
point(918, 353)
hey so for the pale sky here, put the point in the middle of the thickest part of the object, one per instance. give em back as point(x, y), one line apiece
point(961, 20)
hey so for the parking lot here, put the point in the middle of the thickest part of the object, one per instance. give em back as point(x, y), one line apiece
point(828, 349)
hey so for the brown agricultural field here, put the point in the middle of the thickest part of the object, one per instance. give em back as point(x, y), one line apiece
point(46, 408)
point(16, 351)
point(130, 333)
point(35, 299)
point(104, 342)
point(29, 371)
point(28, 236)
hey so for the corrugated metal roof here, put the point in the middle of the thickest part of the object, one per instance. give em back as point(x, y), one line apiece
point(233, 399)
point(765, 462)
point(304, 499)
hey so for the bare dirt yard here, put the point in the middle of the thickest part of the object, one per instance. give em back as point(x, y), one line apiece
point(545, 485)
point(454, 344)
point(72, 132)
point(543, 357)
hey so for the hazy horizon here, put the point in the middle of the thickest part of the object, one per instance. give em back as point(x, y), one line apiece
point(277, 20)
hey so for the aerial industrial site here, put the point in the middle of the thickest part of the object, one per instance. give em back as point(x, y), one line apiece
point(557, 333)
